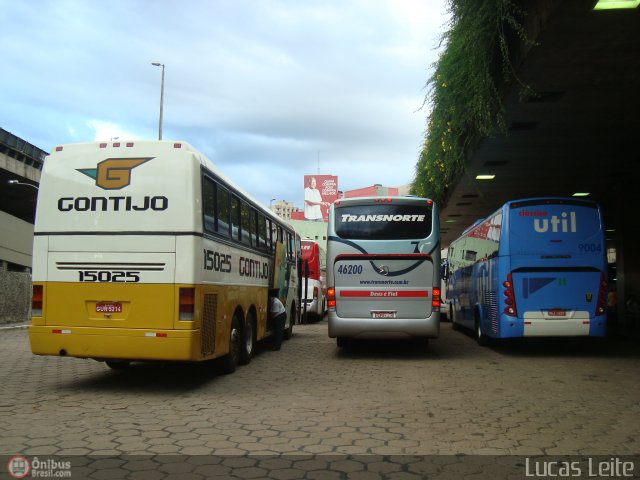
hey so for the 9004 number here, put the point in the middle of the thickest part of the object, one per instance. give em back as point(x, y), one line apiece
point(350, 269)
point(590, 247)
point(107, 276)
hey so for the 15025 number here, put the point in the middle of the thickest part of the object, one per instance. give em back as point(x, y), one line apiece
point(218, 262)
point(350, 269)
point(107, 276)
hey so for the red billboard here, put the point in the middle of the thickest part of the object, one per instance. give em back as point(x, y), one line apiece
point(320, 191)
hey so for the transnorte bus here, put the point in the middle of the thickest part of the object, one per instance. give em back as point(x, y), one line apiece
point(535, 267)
point(383, 268)
point(145, 251)
point(314, 279)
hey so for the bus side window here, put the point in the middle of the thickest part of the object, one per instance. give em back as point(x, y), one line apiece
point(269, 234)
point(235, 219)
point(245, 213)
point(274, 235)
point(208, 204)
point(290, 247)
point(253, 227)
point(222, 211)
point(262, 232)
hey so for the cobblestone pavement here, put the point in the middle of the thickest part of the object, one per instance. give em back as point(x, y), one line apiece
point(312, 406)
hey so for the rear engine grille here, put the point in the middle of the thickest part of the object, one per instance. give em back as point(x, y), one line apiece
point(209, 314)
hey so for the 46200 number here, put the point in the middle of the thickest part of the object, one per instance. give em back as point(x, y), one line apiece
point(350, 269)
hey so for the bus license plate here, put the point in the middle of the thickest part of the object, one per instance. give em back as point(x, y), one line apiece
point(109, 307)
point(557, 312)
point(383, 314)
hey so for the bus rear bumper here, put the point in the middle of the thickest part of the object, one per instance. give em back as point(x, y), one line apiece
point(115, 343)
point(384, 328)
point(579, 324)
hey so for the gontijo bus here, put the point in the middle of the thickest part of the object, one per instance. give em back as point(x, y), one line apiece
point(146, 251)
point(535, 267)
point(383, 268)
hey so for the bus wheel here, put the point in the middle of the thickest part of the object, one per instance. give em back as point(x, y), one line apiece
point(230, 360)
point(481, 338)
point(117, 364)
point(248, 340)
point(288, 333)
point(452, 317)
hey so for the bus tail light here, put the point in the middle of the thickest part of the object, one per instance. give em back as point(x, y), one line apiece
point(435, 299)
point(601, 306)
point(36, 301)
point(331, 297)
point(187, 303)
point(315, 292)
point(510, 298)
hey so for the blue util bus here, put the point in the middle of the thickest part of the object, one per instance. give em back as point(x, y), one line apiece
point(534, 268)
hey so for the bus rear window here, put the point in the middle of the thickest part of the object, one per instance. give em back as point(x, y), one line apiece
point(383, 222)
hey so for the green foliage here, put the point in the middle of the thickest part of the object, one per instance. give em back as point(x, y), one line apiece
point(465, 90)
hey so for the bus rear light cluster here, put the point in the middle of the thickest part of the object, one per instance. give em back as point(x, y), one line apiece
point(510, 298)
point(601, 306)
point(331, 297)
point(36, 301)
point(187, 304)
point(435, 299)
point(315, 292)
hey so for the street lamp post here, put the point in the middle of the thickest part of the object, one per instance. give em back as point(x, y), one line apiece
point(158, 64)
point(271, 203)
point(16, 182)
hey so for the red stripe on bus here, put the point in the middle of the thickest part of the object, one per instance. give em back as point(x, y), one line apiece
point(385, 293)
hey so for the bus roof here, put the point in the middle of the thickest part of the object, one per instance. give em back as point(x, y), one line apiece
point(171, 145)
point(396, 199)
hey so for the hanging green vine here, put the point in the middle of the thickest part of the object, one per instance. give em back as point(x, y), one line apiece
point(465, 90)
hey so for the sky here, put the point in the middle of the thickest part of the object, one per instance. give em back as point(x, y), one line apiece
point(269, 90)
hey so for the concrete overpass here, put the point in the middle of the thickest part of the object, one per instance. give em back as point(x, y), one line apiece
point(578, 135)
point(21, 161)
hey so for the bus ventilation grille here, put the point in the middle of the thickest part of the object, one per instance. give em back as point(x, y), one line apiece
point(209, 314)
point(493, 312)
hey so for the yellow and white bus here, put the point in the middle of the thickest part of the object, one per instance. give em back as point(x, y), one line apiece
point(145, 251)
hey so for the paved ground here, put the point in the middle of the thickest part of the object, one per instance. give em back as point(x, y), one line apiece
point(314, 403)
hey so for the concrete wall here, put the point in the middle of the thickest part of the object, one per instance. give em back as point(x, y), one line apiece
point(16, 240)
point(15, 297)
point(16, 244)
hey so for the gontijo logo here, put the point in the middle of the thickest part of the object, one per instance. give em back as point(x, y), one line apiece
point(113, 173)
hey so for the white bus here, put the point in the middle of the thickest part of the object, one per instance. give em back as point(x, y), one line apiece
point(145, 251)
point(383, 268)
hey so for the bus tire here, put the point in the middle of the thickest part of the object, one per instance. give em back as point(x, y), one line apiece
point(230, 360)
point(452, 317)
point(118, 364)
point(248, 340)
point(481, 338)
point(420, 342)
point(288, 333)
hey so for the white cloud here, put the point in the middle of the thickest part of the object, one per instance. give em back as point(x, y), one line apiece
point(259, 86)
